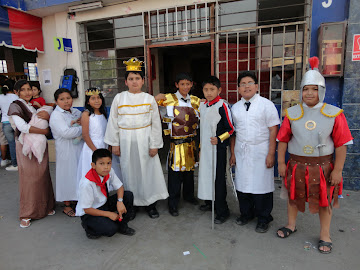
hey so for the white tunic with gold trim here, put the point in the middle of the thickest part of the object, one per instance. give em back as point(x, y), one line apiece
point(134, 125)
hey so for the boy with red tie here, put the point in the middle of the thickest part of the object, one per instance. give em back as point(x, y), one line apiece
point(96, 208)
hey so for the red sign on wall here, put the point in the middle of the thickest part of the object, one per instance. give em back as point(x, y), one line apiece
point(356, 48)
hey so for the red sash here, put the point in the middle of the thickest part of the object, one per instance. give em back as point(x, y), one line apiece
point(94, 177)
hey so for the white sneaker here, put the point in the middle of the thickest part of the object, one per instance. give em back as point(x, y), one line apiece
point(12, 168)
point(5, 162)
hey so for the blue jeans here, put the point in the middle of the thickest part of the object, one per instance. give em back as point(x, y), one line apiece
point(10, 137)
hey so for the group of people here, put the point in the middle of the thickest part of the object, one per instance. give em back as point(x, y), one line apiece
point(7, 136)
point(97, 154)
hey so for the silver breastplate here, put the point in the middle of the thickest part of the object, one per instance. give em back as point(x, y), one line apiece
point(312, 134)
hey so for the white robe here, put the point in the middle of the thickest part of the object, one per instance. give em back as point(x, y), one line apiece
point(210, 117)
point(134, 125)
point(252, 144)
point(67, 153)
point(97, 127)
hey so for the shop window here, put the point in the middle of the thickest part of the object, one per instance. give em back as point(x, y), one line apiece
point(280, 11)
point(100, 35)
point(331, 48)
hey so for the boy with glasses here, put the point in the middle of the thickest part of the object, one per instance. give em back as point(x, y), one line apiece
point(253, 148)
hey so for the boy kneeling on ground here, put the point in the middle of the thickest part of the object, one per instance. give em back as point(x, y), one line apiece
point(96, 207)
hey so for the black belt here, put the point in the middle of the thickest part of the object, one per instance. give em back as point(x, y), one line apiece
point(181, 141)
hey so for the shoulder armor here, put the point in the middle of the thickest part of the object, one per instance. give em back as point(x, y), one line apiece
point(195, 102)
point(171, 100)
point(330, 110)
point(295, 113)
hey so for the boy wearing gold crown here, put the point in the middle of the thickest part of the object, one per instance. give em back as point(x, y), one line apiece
point(311, 132)
point(134, 132)
point(182, 116)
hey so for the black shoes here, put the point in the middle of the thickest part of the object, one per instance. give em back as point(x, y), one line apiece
point(153, 213)
point(193, 201)
point(262, 227)
point(126, 230)
point(242, 221)
point(221, 219)
point(91, 236)
point(174, 212)
point(205, 207)
point(132, 214)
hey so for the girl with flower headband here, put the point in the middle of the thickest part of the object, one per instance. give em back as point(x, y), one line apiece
point(93, 122)
point(311, 132)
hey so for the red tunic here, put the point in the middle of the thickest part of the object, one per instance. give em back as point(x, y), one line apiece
point(307, 178)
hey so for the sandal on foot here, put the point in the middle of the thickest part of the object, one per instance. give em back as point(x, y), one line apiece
point(51, 213)
point(286, 231)
point(27, 221)
point(69, 213)
point(325, 244)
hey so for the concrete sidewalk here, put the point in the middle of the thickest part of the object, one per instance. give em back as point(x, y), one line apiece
point(59, 242)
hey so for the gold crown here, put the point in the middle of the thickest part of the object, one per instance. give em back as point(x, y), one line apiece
point(92, 92)
point(133, 64)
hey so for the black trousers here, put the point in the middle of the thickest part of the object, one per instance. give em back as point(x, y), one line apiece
point(174, 186)
point(104, 226)
point(221, 206)
point(256, 205)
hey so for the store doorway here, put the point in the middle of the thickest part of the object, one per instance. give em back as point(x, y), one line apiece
point(168, 61)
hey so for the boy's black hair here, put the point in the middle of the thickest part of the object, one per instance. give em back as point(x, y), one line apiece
point(100, 153)
point(102, 108)
point(247, 73)
point(183, 76)
point(19, 84)
point(213, 80)
point(141, 73)
point(36, 84)
point(59, 92)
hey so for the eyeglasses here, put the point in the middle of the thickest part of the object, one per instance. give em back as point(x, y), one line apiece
point(247, 84)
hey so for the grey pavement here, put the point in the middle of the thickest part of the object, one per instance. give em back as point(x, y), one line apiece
point(59, 242)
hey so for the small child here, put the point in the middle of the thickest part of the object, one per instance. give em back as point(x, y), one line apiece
point(93, 123)
point(67, 153)
point(312, 131)
point(215, 130)
point(36, 100)
point(134, 132)
point(182, 117)
point(253, 148)
point(35, 144)
point(96, 207)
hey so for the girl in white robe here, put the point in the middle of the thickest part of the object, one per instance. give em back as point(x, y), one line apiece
point(93, 123)
point(64, 129)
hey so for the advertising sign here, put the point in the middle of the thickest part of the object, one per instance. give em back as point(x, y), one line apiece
point(62, 44)
point(356, 48)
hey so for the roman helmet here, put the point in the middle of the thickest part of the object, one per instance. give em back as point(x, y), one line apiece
point(314, 77)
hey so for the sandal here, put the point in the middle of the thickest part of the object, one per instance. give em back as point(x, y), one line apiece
point(69, 213)
point(286, 231)
point(325, 244)
point(26, 220)
point(51, 213)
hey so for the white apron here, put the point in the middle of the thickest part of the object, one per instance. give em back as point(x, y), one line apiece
point(141, 173)
point(251, 148)
point(209, 118)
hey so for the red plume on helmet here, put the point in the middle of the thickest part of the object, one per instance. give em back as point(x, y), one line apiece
point(314, 63)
